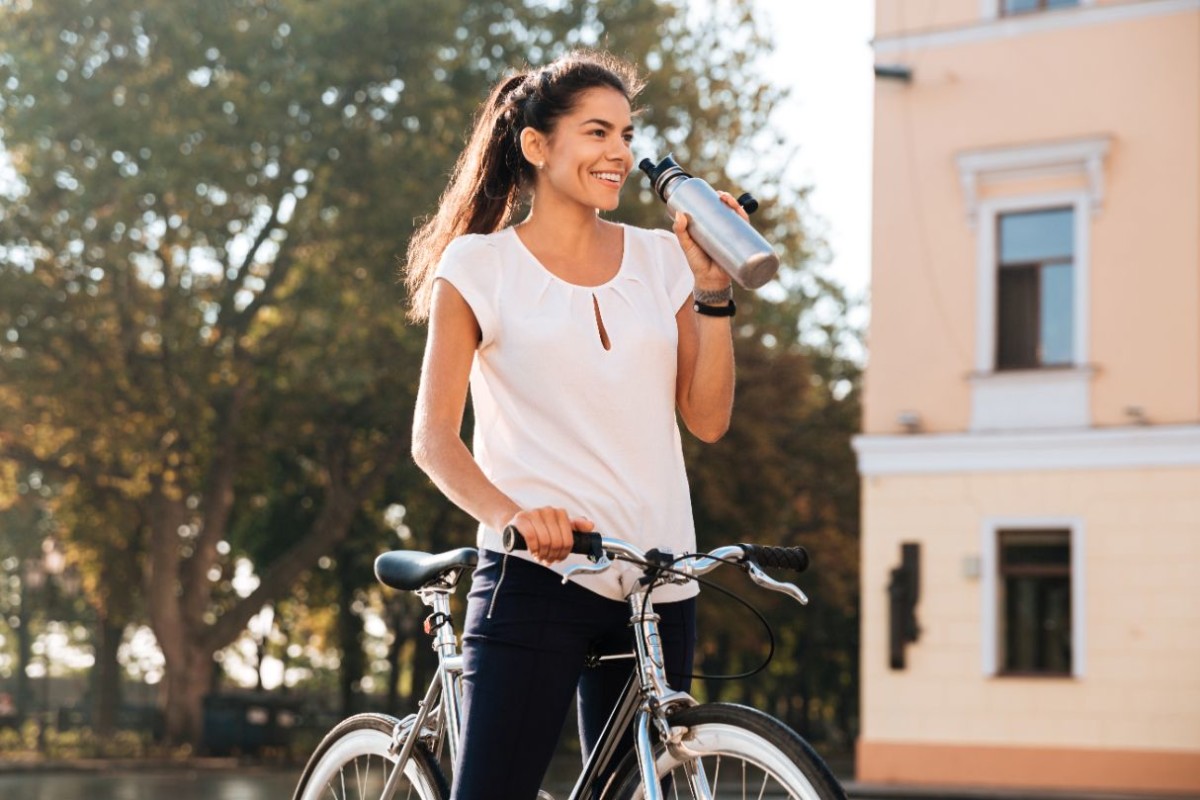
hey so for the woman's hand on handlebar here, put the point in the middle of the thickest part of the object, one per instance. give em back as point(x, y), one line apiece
point(547, 531)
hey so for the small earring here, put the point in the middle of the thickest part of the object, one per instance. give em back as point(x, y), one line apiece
point(542, 165)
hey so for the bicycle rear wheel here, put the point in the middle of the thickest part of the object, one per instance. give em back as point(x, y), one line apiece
point(352, 763)
point(736, 752)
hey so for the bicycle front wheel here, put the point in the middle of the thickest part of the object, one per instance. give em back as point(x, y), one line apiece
point(352, 763)
point(732, 751)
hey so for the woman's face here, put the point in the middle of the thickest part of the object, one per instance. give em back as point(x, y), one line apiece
point(587, 156)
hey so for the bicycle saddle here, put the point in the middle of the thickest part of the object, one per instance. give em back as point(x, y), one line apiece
point(409, 570)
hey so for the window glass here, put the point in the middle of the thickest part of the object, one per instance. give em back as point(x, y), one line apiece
point(1035, 573)
point(1017, 318)
point(1057, 314)
point(1019, 6)
point(1025, 6)
point(1035, 548)
point(1037, 236)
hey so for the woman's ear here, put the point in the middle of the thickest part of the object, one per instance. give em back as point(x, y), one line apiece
point(533, 147)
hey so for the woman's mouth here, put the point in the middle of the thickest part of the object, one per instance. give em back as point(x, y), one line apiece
point(611, 178)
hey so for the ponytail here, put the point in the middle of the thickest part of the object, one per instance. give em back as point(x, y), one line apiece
point(487, 180)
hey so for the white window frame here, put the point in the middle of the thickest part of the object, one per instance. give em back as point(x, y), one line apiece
point(990, 9)
point(991, 610)
point(988, 265)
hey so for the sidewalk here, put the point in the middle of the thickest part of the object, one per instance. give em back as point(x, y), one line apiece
point(10, 767)
point(883, 791)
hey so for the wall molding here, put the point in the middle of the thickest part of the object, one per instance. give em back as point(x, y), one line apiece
point(1032, 399)
point(989, 29)
point(1082, 157)
point(1136, 447)
point(1055, 764)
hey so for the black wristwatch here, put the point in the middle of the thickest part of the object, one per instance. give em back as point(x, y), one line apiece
point(727, 310)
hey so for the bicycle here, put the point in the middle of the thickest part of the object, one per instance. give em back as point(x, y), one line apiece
point(679, 744)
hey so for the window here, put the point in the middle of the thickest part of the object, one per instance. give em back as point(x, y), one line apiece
point(1013, 7)
point(1045, 255)
point(1035, 292)
point(1035, 602)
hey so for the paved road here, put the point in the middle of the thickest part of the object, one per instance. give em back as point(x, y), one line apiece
point(268, 784)
point(173, 785)
point(176, 785)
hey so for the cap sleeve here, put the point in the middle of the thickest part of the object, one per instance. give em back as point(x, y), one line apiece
point(471, 265)
point(678, 280)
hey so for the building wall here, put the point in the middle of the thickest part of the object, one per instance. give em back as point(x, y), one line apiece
point(1120, 81)
point(1135, 81)
point(1135, 710)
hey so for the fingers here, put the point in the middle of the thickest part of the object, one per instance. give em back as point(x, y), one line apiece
point(547, 532)
point(690, 248)
point(707, 273)
point(680, 225)
point(732, 202)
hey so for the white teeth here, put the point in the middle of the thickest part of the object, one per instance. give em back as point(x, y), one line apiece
point(608, 176)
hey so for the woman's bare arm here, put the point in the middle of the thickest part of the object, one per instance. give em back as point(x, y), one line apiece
point(438, 447)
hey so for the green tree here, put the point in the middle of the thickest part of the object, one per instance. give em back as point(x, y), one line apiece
point(201, 337)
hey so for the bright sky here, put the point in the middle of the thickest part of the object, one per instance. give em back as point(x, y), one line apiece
point(823, 54)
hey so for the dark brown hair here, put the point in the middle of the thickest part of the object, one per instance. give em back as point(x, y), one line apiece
point(491, 172)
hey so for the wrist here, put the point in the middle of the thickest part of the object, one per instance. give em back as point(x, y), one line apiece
point(713, 296)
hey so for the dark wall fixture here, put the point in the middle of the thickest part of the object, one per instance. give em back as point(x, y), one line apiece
point(904, 590)
point(894, 72)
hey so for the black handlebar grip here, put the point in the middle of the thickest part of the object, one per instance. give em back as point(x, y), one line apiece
point(793, 558)
point(585, 544)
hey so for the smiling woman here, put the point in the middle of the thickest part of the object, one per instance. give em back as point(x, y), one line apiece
point(578, 341)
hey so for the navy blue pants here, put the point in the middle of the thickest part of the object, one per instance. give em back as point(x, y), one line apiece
point(524, 646)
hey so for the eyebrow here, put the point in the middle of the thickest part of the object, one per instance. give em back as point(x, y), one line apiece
point(603, 124)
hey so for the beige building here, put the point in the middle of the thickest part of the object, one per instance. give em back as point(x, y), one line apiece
point(1032, 401)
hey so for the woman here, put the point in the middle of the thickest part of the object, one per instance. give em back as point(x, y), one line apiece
point(579, 340)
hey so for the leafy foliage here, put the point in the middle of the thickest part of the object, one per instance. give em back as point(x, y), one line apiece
point(202, 339)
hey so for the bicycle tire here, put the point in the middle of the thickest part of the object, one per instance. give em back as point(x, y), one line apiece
point(344, 765)
point(744, 753)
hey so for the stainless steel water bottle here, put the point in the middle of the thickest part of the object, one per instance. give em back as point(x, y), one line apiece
point(727, 238)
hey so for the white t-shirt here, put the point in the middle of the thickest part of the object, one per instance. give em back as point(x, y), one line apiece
point(561, 421)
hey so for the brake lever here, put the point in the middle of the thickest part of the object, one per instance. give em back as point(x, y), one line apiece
point(600, 565)
point(767, 582)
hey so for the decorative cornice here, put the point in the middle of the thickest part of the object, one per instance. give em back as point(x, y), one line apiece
point(1043, 159)
point(988, 29)
point(1097, 448)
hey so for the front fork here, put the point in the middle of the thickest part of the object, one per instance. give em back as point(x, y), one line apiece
point(659, 700)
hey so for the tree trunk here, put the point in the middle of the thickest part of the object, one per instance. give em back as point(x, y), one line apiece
point(714, 663)
point(106, 677)
point(350, 634)
point(394, 651)
point(187, 639)
point(185, 685)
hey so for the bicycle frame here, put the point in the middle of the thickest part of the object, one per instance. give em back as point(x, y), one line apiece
point(440, 707)
point(645, 703)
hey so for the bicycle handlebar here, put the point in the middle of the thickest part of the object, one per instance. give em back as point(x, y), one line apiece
point(584, 544)
point(793, 558)
point(596, 545)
